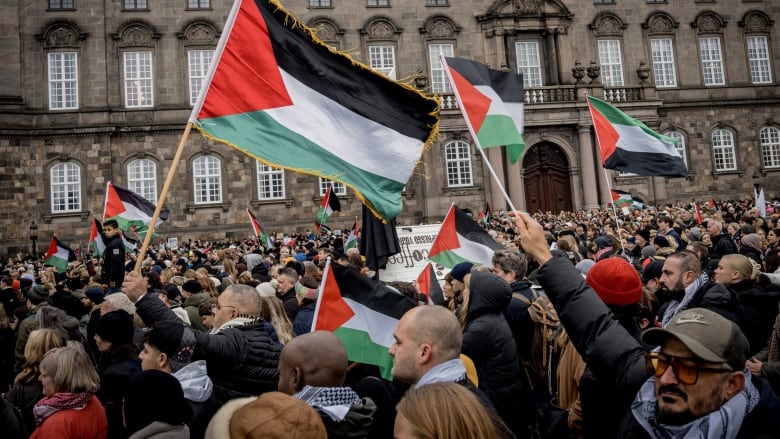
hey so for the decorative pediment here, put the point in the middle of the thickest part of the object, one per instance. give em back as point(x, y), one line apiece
point(61, 35)
point(756, 21)
point(440, 27)
point(199, 33)
point(607, 24)
point(327, 30)
point(526, 8)
point(660, 23)
point(709, 22)
point(380, 28)
point(136, 34)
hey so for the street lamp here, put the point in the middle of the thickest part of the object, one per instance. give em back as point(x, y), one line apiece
point(34, 238)
point(756, 180)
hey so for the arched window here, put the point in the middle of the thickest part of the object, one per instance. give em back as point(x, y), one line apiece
point(270, 182)
point(723, 150)
point(457, 155)
point(207, 174)
point(680, 144)
point(65, 187)
point(770, 146)
point(142, 178)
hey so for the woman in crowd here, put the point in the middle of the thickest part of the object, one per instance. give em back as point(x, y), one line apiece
point(751, 247)
point(27, 390)
point(306, 291)
point(69, 408)
point(458, 414)
point(272, 311)
point(772, 240)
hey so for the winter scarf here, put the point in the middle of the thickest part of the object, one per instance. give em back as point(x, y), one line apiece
point(677, 306)
point(237, 323)
point(333, 401)
point(50, 405)
point(448, 372)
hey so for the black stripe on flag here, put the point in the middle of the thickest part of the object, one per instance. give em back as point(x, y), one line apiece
point(469, 229)
point(505, 84)
point(370, 293)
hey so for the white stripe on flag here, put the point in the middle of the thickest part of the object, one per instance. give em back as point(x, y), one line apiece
point(378, 326)
point(474, 252)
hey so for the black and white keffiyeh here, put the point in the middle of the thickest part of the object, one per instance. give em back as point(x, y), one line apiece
point(333, 401)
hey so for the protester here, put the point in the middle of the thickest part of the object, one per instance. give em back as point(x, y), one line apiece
point(306, 292)
point(163, 415)
point(285, 291)
point(113, 264)
point(193, 295)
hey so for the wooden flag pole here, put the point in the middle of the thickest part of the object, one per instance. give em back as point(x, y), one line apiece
point(163, 194)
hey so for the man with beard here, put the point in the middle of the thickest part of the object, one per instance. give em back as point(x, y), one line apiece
point(694, 385)
point(686, 286)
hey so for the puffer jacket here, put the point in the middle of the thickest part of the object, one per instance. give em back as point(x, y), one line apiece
point(760, 310)
point(718, 298)
point(488, 341)
point(242, 361)
point(617, 358)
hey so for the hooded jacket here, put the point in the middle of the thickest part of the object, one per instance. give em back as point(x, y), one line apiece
point(192, 306)
point(199, 394)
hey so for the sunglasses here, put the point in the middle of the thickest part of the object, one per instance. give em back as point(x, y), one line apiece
point(685, 369)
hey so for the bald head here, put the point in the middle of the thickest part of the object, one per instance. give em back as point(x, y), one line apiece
point(245, 299)
point(438, 326)
point(315, 359)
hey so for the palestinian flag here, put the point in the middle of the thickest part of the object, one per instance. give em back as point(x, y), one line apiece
point(262, 237)
point(330, 203)
point(491, 102)
point(362, 312)
point(428, 284)
point(279, 94)
point(96, 239)
point(488, 211)
point(352, 239)
point(460, 239)
point(622, 199)
point(129, 209)
point(699, 219)
point(628, 145)
point(58, 255)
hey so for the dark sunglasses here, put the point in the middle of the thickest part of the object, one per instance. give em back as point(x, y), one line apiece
point(685, 369)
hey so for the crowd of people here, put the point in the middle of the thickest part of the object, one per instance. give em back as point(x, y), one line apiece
point(653, 323)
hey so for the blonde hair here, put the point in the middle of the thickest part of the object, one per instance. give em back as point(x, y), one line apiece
point(458, 413)
point(464, 307)
point(743, 265)
point(70, 369)
point(38, 344)
point(272, 310)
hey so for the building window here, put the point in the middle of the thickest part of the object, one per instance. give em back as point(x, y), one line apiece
point(138, 79)
point(207, 171)
point(338, 187)
point(142, 178)
point(662, 54)
point(378, 2)
point(63, 81)
point(458, 159)
point(382, 59)
point(319, 4)
point(198, 4)
point(680, 144)
point(611, 62)
point(723, 150)
point(770, 146)
point(437, 3)
point(65, 187)
point(528, 63)
point(758, 58)
point(60, 4)
point(439, 82)
point(711, 61)
point(136, 4)
point(270, 182)
point(199, 61)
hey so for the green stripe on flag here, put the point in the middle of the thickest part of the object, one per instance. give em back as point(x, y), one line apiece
point(362, 349)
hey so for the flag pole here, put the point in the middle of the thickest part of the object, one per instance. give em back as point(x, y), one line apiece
point(163, 194)
point(474, 135)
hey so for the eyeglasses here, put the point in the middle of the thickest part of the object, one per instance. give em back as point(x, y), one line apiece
point(217, 306)
point(685, 369)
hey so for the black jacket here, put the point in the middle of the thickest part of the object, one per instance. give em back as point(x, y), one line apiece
point(718, 298)
point(518, 319)
point(722, 245)
point(113, 267)
point(242, 361)
point(615, 357)
point(760, 311)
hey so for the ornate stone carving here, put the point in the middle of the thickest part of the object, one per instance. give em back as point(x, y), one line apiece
point(709, 22)
point(756, 21)
point(199, 33)
point(326, 30)
point(440, 27)
point(660, 24)
point(526, 7)
point(136, 35)
point(606, 24)
point(61, 35)
point(380, 31)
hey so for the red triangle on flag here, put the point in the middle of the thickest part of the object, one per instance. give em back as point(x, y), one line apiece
point(606, 134)
point(52, 248)
point(248, 78)
point(332, 311)
point(447, 239)
point(475, 103)
point(114, 204)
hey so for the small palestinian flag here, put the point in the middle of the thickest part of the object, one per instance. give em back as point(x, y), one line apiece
point(428, 284)
point(129, 209)
point(58, 255)
point(622, 199)
point(352, 239)
point(330, 203)
point(362, 312)
point(262, 237)
point(460, 239)
point(97, 242)
point(491, 102)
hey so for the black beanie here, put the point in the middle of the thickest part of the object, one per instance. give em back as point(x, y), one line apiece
point(152, 396)
point(116, 327)
point(192, 286)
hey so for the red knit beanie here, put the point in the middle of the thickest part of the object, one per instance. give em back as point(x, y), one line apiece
point(615, 281)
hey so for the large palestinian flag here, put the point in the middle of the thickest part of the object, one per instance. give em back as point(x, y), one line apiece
point(130, 209)
point(628, 145)
point(461, 239)
point(58, 255)
point(279, 94)
point(362, 312)
point(491, 102)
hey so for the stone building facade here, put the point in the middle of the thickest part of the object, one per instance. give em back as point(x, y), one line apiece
point(94, 91)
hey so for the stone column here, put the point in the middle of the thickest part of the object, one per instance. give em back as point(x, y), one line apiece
point(515, 187)
point(495, 196)
point(587, 168)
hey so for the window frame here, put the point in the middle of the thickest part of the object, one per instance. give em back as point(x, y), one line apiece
point(437, 2)
point(61, 4)
point(767, 61)
point(73, 186)
point(127, 81)
point(611, 65)
point(201, 192)
point(321, 3)
point(267, 178)
point(528, 70)
point(459, 169)
point(681, 146)
point(726, 151)
point(199, 5)
point(770, 147)
point(73, 80)
point(666, 67)
point(133, 5)
point(437, 72)
point(145, 184)
point(338, 188)
point(708, 65)
point(393, 70)
point(200, 78)
point(378, 3)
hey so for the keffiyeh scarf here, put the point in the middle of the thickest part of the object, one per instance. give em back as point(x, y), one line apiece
point(677, 306)
point(333, 401)
point(451, 371)
point(50, 405)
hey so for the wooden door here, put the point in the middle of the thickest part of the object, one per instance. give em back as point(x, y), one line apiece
point(546, 177)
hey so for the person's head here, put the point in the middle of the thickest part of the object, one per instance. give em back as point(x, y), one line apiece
point(699, 249)
point(733, 229)
point(458, 273)
point(191, 287)
point(272, 310)
point(114, 329)
point(510, 264)
point(773, 237)
point(68, 370)
point(714, 227)
point(115, 302)
point(168, 346)
point(307, 290)
point(206, 312)
point(37, 295)
point(665, 223)
point(735, 268)
point(287, 278)
point(642, 236)
point(39, 342)
point(753, 241)
point(616, 282)
point(458, 414)
point(151, 396)
point(94, 296)
point(651, 275)
point(316, 359)
point(699, 365)
point(424, 337)
point(680, 270)
point(236, 301)
point(110, 228)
